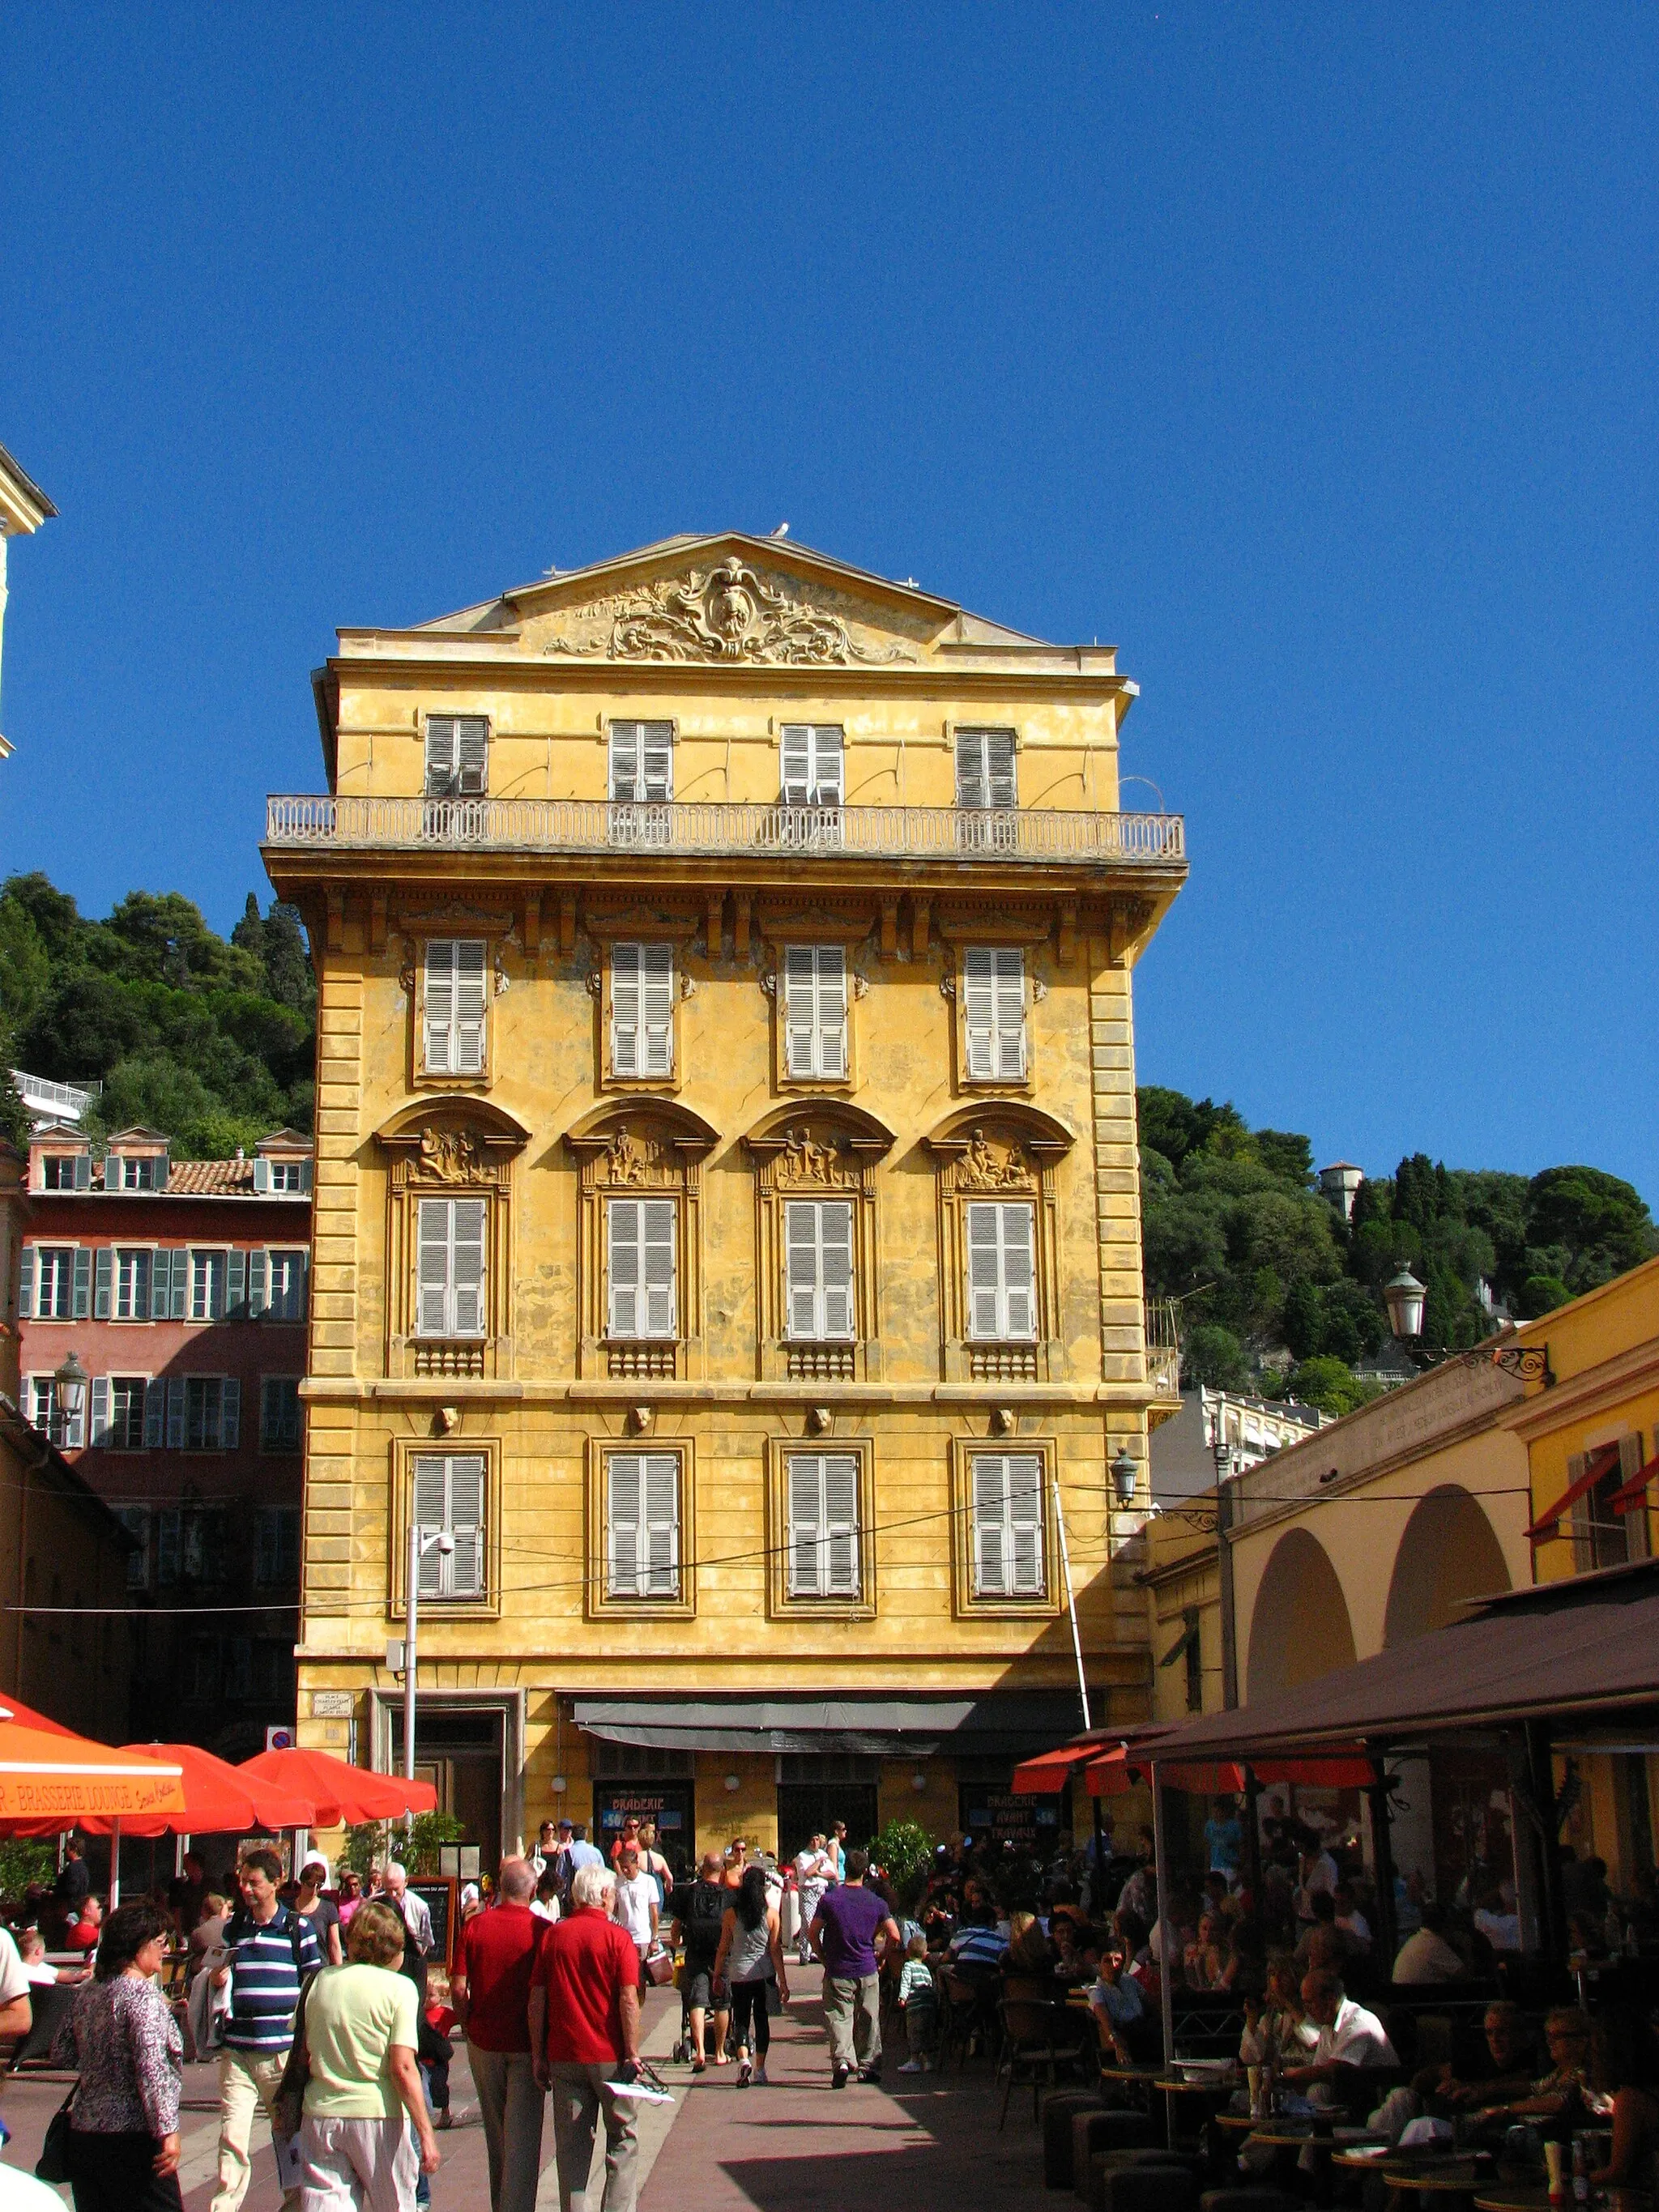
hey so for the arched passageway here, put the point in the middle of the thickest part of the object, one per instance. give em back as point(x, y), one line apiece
point(1448, 1551)
point(1300, 1625)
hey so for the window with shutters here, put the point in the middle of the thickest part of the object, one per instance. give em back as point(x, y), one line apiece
point(639, 1024)
point(143, 1171)
point(449, 1264)
point(640, 1272)
point(986, 781)
point(54, 1282)
point(287, 1175)
point(285, 1286)
point(135, 1285)
point(276, 1546)
point(279, 1413)
point(642, 1524)
point(136, 1520)
point(40, 1394)
point(821, 1513)
point(1005, 1544)
point(812, 782)
point(212, 1412)
point(813, 1013)
point(208, 1272)
point(122, 1427)
point(1001, 1239)
point(642, 783)
point(65, 1171)
point(817, 1238)
point(456, 981)
point(991, 1002)
point(449, 1492)
point(457, 755)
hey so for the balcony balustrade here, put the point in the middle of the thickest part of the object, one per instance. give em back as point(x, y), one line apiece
point(709, 829)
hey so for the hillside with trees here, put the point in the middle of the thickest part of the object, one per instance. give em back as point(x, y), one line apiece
point(1279, 1295)
point(209, 1038)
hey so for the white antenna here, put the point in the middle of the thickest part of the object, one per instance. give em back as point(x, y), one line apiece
point(782, 530)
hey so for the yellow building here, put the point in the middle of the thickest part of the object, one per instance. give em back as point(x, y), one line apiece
point(1592, 1445)
point(727, 1214)
point(23, 508)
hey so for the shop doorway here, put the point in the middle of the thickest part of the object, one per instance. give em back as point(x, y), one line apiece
point(461, 1753)
point(814, 1791)
point(651, 1785)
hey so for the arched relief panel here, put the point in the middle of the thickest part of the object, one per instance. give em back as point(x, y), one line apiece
point(1448, 1550)
point(635, 1151)
point(1300, 1626)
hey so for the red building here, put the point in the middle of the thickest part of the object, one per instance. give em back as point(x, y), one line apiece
point(181, 1286)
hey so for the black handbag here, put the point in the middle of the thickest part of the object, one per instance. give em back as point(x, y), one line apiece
point(53, 2164)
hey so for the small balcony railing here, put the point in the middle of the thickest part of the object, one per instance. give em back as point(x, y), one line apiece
point(708, 828)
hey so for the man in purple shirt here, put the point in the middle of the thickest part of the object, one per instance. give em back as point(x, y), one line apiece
point(850, 1922)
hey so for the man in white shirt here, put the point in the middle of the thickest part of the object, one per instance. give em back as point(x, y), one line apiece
point(1427, 1956)
point(636, 1903)
point(16, 2013)
point(1347, 2035)
point(417, 1916)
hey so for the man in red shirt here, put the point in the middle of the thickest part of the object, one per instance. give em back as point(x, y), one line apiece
point(585, 2036)
point(499, 1952)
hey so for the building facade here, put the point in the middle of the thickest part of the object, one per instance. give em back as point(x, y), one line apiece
point(727, 1223)
point(181, 1287)
point(23, 508)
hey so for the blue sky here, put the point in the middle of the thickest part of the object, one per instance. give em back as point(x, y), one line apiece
point(1306, 353)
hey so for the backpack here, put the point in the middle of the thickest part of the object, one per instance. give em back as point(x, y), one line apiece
point(703, 1910)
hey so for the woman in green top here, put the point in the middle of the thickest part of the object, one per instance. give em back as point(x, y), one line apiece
point(360, 2022)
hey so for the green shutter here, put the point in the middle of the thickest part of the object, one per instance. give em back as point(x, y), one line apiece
point(81, 1308)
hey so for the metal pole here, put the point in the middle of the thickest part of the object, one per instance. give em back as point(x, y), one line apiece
point(114, 1864)
point(1388, 1926)
point(1070, 1604)
point(1223, 1538)
point(412, 1595)
point(1166, 1963)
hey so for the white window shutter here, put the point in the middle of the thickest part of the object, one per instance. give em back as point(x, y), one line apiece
point(1008, 983)
point(431, 1502)
point(990, 1526)
point(230, 1417)
point(440, 1006)
point(1018, 1230)
point(434, 1283)
point(657, 1008)
point(801, 1235)
point(984, 1272)
point(658, 1241)
point(156, 1414)
point(797, 764)
point(439, 755)
point(662, 1524)
point(627, 1269)
point(831, 1011)
point(457, 998)
point(465, 1576)
point(815, 1009)
point(656, 761)
point(101, 1411)
point(828, 780)
point(841, 1522)
point(467, 1275)
point(1025, 1523)
point(806, 1527)
point(835, 1249)
point(472, 754)
point(624, 1521)
point(1000, 769)
point(624, 760)
point(625, 1022)
point(985, 770)
point(800, 1008)
point(979, 1012)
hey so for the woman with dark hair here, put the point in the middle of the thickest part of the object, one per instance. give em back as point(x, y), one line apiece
point(121, 2039)
point(749, 1956)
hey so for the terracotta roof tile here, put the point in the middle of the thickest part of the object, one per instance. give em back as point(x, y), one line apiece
point(210, 1178)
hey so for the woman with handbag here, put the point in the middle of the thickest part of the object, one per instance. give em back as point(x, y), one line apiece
point(751, 1955)
point(115, 2140)
point(353, 2074)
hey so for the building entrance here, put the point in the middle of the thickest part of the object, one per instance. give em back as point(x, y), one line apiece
point(814, 1792)
point(461, 1754)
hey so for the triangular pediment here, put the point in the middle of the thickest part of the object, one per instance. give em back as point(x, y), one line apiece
point(728, 599)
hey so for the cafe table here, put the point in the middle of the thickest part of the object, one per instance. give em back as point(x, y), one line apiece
point(1513, 2197)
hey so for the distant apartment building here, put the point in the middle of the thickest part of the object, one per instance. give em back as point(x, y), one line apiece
point(181, 1286)
point(1184, 1448)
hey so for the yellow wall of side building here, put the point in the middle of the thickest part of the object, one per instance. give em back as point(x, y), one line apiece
point(545, 1629)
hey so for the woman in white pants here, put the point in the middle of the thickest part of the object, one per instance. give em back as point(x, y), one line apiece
point(360, 2025)
point(814, 1872)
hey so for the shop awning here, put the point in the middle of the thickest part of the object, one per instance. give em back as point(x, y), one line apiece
point(1046, 1776)
point(1572, 1648)
point(999, 1723)
point(1599, 1464)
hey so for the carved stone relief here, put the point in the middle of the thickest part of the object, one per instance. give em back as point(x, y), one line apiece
point(806, 1161)
point(454, 1155)
point(986, 1165)
point(728, 613)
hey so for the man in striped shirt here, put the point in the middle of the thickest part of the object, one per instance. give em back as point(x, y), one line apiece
point(272, 1948)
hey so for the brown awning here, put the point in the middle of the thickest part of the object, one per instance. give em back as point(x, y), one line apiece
point(1581, 1645)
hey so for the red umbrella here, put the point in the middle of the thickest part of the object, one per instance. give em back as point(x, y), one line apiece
point(218, 1797)
point(343, 1795)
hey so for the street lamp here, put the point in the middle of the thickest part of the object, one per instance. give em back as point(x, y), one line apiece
point(443, 1542)
point(1125, 1474)
point(69, 1391)
point(1404, 1298)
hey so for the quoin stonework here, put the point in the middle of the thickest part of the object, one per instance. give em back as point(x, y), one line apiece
point(726, 1221)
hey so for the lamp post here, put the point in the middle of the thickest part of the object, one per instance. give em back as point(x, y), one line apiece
point(1125, 1474)
point(443, 1543)
point(69, 1393)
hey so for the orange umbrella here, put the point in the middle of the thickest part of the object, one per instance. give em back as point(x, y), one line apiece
point(51, 1776)
point(218, 1797)
point(343, 1794)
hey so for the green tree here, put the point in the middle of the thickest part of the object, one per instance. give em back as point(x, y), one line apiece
point(1329, 1383)
point(1602, 1223)
point(1214, 1356)
point(1286, 1157)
